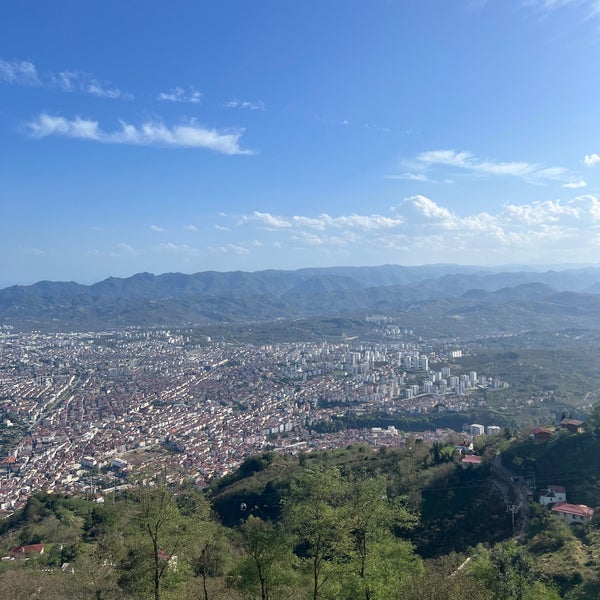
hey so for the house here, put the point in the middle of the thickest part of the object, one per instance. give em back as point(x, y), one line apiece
point(29, 549)
point(572, 513)
point(552, 495)
point(541, 434)
point(572, 425)
point(9, 464)
point(465, 447)
point(471, 460)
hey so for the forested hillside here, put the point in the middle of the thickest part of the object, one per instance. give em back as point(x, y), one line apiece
point(351, 523)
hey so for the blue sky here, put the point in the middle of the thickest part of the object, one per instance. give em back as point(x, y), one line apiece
point(192, 136)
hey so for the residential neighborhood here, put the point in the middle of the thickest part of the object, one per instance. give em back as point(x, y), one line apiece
point(91, 410)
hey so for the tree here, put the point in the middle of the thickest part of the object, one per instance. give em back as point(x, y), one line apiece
point(379, 560)
point(266, 556)
point(158, 534)
point(507, 571)
point(211, 552)
point(313, 515)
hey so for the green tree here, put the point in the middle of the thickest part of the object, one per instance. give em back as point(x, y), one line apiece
point(379, 560)
point(507, 571)
point(267, 556)
point(313, 515)
point(157, 534)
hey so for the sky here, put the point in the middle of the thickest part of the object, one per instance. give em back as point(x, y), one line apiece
point(233, 135)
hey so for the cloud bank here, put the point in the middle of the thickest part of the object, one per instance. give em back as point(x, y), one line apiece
point(419, 230)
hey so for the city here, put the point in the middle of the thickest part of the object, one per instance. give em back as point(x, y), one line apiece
point(92, 411)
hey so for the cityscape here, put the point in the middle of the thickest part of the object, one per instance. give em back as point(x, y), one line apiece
point(93, 411)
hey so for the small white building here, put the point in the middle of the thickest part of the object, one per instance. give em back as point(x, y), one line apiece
point(552, 495)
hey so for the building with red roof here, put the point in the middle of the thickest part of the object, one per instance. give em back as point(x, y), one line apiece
point(573, 513)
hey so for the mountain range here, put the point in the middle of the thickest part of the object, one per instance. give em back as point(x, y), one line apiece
point(435, 291)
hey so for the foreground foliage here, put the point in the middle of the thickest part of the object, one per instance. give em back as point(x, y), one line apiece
point(351, 524)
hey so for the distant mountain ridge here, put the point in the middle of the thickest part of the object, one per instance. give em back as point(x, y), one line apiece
point(171, 299)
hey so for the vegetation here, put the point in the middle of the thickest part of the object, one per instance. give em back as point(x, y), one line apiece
point(349, 524)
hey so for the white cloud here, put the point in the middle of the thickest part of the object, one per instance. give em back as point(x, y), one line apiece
point(421, 177)
point(376, 128)
point(221, 228)
point(126, 248)
point(589, 8)
point(156, 228)
point(189, 135)
point(19, 72)
point(322, 222)
point(266, 220)
point(179, 249)
point(79, 81)
point(573, 185)
point(420, 230)
point(230, 249)
point(589, 160)
point(260, 105)
point(25, 73)
point(419, 208)
point(466, 161)
point(190, 227)
point(96, 89)
point(178, 94)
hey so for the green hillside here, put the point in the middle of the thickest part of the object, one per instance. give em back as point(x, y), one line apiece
point(343, 524)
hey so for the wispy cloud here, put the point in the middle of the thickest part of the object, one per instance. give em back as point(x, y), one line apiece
point(78, 81)
point(588, 8)
point(19, 72)
point(259, 105)
point(466, 161)
point(151, 133)
point(190, 227)
point(25, 73)
point(179, 94)
point(230, 249)
point(421, 177)
point(377, 128)
point(156, 228)
point(96, 89)
point(589, 160)
point(574, 185)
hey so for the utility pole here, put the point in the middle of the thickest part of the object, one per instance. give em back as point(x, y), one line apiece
point(513, 509)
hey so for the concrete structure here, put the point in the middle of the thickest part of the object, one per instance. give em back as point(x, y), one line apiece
point(573, 513)
point(476, 429)
point(552, 495)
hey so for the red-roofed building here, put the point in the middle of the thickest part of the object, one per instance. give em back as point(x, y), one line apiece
point(9, 464)
point(541, 434)
point(573, 513)
point(471, 459)
point(29, 549)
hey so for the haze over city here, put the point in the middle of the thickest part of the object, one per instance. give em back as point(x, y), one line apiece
point(221, 136)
